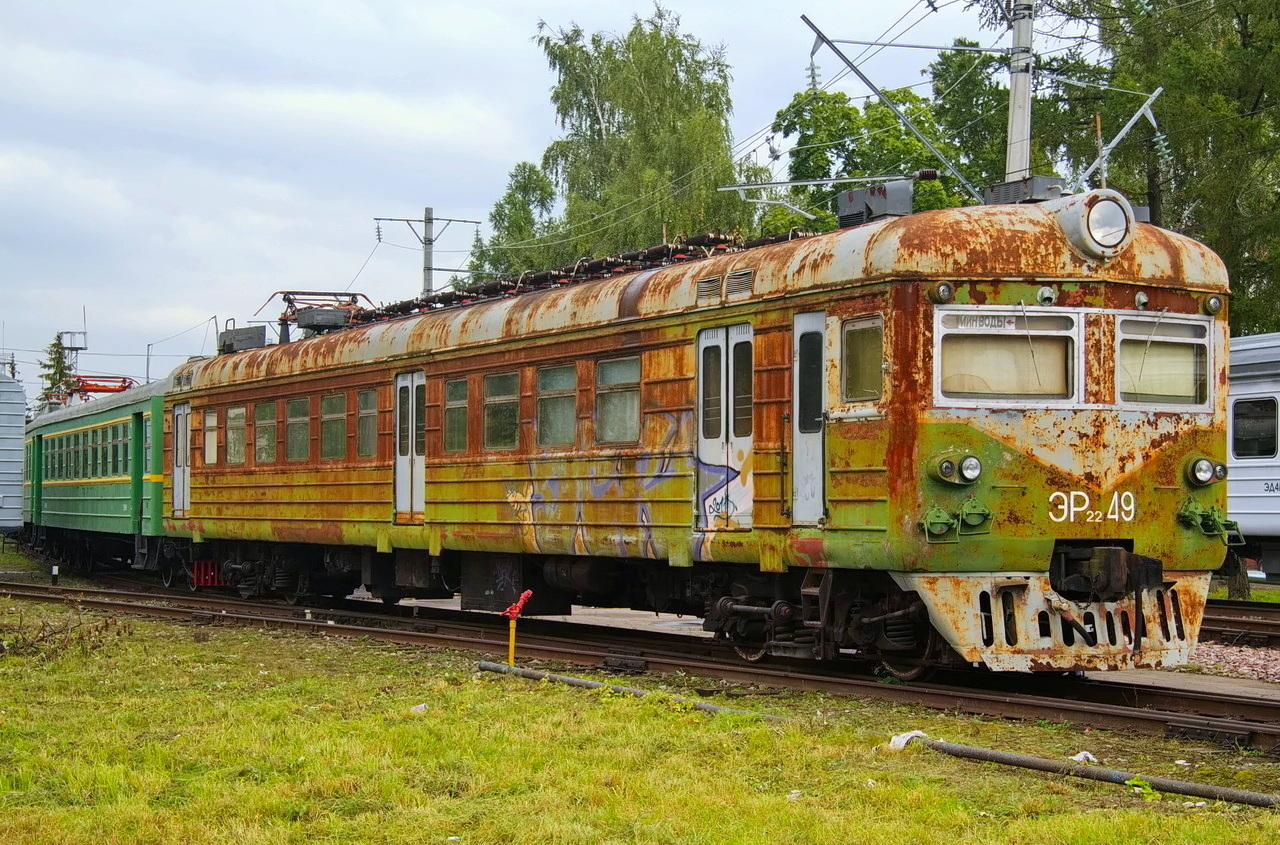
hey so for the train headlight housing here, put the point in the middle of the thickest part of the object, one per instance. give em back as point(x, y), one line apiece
point(1200, 471)
point(970, 468)
point(1099, 224)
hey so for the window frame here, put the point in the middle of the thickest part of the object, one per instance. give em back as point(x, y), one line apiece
point(452, 408)
point(237, 435)
point(1075, 336)
point(266, 426)
point(1161, 319)
point(209, 438)
point(303, 422)
point(367, 423)
point(609, 391)
point(333, 426)
point(1275, 428)
point(492, 404)
point(555, 397)
point(858, 324)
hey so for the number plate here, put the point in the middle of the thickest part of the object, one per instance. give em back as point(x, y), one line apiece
point(1077, 506)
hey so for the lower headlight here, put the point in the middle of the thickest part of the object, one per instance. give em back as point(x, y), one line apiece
point(970, 468)
point(1200, 471)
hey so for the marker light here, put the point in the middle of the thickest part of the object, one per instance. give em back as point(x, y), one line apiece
point(1220, 472)
point(1213, 304)
point(947, 468)
point(970, 468)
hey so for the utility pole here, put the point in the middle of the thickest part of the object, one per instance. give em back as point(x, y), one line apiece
point(427, 239)
point(1018, 152)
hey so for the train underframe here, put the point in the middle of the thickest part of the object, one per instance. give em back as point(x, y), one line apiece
point(1096, 607)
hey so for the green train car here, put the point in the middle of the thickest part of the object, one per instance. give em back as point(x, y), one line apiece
point(93, 480)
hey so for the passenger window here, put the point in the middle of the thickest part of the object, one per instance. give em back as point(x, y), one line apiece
point(712, 401)
point(455, 415)
point(210, 438)
point(557, 405)
point(367, 424)
point(264, 433)
point(333, 427)
point(862, 377)
point(235, 435)
point(501, 411)
point(743, 392)
point(1253, 428)
point(297, 429)
point(809, 379)
point(618, 401)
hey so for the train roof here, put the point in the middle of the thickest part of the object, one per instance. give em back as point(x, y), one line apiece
point(979, 243)
point(1255, 357)
point(112, 401)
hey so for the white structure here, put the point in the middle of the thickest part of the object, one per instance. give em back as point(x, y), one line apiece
point(13, 408)
point(1253, 482)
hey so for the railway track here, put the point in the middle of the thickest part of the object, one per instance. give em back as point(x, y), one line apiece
point(1165, 711)
point(1255, 623)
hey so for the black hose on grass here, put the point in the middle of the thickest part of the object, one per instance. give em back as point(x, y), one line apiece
point(536, 675)
point(1179, 787)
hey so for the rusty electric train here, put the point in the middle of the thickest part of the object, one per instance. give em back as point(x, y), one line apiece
point(990, 435)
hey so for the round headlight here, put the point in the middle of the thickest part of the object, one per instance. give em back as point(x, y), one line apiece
point(1201, 471)
point(1213, 304)
point(947, 468)
point(1220, 471)
point(970, 468)
point(1108, 224)
point(942, 293)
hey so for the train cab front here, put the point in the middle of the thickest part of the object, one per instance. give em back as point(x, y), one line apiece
point(1070, 506)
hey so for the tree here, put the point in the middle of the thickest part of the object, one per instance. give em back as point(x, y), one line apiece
point(833, 137)
point(1219, 65)
point(646, 144)
point(55, 370)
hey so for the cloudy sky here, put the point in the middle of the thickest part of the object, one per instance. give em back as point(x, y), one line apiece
point(165, 163)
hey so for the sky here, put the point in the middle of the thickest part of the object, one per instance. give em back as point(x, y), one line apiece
point(166, 167)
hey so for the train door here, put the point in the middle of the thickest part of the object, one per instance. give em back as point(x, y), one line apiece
point(411, 440)
point(181, 458)
point(725, 407)
point(808, 401)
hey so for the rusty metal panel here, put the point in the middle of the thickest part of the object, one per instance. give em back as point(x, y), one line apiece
point(1030, 628)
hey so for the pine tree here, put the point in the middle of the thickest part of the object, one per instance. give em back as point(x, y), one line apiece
point(55, 370)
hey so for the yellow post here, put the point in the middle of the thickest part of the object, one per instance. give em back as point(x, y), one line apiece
point(513, 613)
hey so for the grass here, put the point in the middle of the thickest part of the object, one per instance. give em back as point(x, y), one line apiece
point(1257, 591)
point(137, 731)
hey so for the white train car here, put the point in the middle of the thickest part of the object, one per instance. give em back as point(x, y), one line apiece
point(13, 409)
point(1253, 483)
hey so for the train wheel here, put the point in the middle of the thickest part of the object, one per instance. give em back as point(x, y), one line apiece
point(905, 670)
point(168, 574)
point(301, 588)
point(752, 651)
point(917, 666)
point(191, 578)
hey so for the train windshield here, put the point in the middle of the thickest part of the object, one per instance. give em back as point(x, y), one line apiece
point(1007, 356)
point(1163, 363)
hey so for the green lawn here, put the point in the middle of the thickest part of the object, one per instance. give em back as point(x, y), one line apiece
point(137, 731)
point(121, 731)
